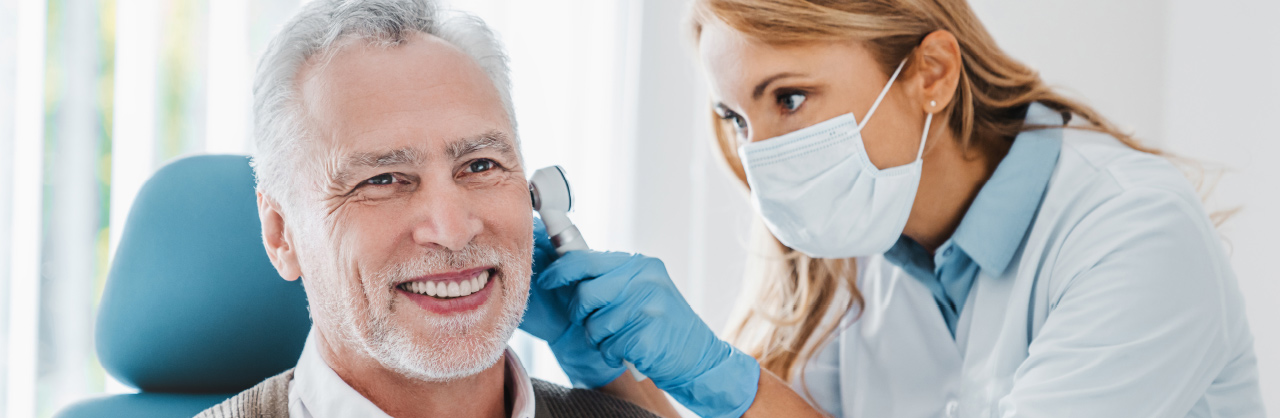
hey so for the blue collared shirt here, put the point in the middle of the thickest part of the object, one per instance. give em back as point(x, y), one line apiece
point(991, 231)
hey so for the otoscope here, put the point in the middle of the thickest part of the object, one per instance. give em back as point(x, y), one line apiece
point(549, 190)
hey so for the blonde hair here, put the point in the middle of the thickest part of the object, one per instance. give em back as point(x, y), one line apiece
point(784, 325)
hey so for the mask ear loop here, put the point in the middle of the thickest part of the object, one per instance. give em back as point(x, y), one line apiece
point(925, 136)
point(883, 92)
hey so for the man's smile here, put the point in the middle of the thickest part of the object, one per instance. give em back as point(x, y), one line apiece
point(451, 292)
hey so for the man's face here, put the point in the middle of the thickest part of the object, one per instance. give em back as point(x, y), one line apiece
point(415, 229)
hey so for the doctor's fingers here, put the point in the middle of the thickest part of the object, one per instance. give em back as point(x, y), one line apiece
point(640, 281)
point(660, 352)
point(575, 266)
point(622, 316)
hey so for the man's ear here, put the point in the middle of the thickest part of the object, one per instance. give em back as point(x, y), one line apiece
point(277, 240)
point(937, 70)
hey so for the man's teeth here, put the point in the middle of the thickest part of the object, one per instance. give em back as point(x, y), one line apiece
point(450, 290)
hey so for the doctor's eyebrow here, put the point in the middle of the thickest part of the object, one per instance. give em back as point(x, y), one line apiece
point(759, 90)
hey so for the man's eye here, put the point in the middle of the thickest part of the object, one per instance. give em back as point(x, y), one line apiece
point(791, 101)
point(381, 179)
point(480, 166)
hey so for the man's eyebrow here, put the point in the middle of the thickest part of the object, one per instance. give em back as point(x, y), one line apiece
point(395, 157)
point(759, 90)
point(495, 140)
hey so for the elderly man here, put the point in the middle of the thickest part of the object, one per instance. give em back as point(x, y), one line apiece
point(390, 183)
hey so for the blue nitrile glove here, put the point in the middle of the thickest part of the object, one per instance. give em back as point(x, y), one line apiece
point(631, 309)
point(548, 318)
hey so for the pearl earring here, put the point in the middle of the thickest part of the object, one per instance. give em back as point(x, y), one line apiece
point(933, 104)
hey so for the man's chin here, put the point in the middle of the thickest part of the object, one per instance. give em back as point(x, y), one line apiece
point(456, 364)
point(433, 347)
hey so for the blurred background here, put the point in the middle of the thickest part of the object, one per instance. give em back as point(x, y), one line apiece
point(95, 95)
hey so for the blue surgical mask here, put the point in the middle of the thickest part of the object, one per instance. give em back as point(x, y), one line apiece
point(819, 193)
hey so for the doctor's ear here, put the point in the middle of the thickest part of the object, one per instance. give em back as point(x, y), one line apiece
point(277, 239)
point(936, 71)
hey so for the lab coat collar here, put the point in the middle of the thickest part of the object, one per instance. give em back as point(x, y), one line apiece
point(993, 228)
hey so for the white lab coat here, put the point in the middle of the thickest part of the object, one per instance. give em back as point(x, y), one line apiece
point(1120, 303)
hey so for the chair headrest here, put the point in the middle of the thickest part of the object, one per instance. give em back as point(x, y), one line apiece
point(192, 303)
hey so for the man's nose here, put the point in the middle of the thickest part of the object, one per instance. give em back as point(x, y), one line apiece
point(445, 218)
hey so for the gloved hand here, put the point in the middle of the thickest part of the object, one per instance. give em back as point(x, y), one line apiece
point(631, 309)
point(548, 318)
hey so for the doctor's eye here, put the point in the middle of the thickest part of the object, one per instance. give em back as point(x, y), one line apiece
point(738, 122)
point(791, 101)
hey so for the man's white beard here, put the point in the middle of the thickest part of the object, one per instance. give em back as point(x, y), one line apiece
point(459, 345)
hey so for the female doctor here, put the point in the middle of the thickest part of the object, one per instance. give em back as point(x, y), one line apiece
point(949, 237)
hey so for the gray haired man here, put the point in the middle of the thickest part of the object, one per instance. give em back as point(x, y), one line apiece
point(390, 182)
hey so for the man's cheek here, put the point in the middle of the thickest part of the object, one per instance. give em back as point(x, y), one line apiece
point(513, 228)
point(517, 210)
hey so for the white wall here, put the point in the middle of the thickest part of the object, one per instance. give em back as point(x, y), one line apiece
point(1223, 98)
point(1109, 53)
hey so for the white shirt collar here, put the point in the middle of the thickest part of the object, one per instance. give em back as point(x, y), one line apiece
point(316, 391)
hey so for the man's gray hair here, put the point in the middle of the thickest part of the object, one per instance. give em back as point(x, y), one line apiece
point(278, 115)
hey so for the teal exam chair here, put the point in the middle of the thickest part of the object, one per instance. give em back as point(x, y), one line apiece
point(193, 312)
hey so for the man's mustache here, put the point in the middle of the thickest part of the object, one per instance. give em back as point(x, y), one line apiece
point(444, 261)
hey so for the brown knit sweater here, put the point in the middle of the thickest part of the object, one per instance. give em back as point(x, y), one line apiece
point(270, 399)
